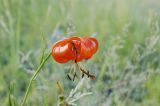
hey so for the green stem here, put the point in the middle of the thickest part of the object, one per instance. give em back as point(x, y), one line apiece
point(33, 77)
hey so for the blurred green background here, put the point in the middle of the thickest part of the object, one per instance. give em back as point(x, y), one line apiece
point(127, 64)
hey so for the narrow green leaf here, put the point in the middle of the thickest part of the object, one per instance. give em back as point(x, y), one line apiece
point(44, 48)
point(9, 97)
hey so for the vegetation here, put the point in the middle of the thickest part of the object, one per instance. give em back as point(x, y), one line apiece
point(127, 64)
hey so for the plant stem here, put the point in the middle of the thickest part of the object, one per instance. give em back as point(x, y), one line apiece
point(33, 77)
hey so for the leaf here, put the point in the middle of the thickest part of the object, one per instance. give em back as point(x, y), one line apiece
point(44, 48)
point(9, 97)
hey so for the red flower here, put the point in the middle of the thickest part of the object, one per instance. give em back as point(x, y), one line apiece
point(74, 48)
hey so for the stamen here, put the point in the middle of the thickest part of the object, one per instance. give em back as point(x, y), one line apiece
point(69, 77)
point(82, 75)
point(85, 72)
point(74, 76)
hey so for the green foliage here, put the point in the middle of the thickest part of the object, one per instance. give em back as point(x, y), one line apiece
point(127, 64)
